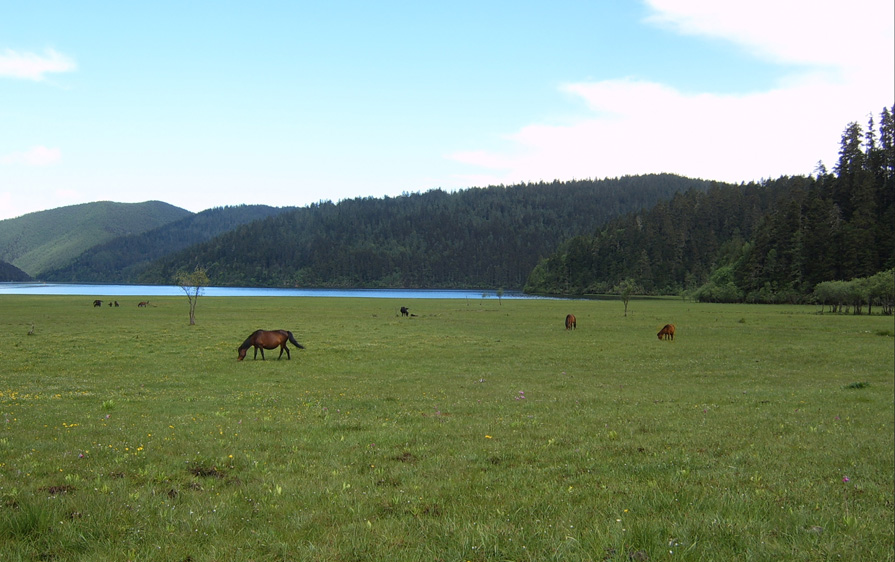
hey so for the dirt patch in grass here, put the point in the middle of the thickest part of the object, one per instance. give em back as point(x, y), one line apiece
point(206, 472)
point(406, 457)
point(58, 490)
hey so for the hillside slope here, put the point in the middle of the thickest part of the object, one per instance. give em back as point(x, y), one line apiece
point(47, 240)
point(122, 260)
point(475, 238)
point(10, 273)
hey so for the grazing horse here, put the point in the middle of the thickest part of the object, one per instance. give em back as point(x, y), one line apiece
point(571, 322)
point(405, 311)
point(667, 332)
point(264, 339)
point(142, 304)
point(97, 303)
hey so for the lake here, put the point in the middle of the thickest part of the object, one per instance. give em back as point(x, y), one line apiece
point(94, 290)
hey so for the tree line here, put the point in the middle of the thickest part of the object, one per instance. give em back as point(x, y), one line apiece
point(769, 241)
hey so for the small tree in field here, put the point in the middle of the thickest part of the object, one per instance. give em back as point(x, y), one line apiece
point(625, 289)
point(192, 284)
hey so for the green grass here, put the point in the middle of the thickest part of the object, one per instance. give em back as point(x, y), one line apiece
point(473, 431)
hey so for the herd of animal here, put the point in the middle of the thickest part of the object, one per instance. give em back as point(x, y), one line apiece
point(98, 302)
point(666, 333)
point(272, 339)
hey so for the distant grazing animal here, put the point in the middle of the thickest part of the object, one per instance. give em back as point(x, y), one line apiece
point(97, 302)
point(667, 332)
point(571, 322)
point(264, 339)
point(405, 311)
point(110, 304)
point(142, 304)
point(116, 303)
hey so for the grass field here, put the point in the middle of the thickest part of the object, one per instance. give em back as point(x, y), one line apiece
point(476, 430)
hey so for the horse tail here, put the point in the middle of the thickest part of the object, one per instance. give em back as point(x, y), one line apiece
point(292, 340)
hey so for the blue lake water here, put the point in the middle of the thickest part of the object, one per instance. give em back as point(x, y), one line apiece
point(162, 290)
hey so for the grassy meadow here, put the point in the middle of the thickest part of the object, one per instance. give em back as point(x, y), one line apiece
point(476, 430)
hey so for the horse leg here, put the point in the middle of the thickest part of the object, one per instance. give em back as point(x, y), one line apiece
point(288, 356)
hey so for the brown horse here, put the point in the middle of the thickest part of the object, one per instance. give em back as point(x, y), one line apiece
point(142, 304)
point(571, 322)
point(264, 339)
point(667, 332)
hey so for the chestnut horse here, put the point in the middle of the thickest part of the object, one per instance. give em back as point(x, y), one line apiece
point(571, 322)
point(667, 332)
point(264, 339)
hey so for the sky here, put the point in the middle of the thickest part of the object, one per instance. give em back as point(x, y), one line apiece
point(210, 104)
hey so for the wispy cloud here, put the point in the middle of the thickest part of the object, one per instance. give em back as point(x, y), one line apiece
point(36, 156)
point(842, 65)
point(32, 66)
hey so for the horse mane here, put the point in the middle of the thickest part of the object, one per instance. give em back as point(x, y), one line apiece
point(248, 343)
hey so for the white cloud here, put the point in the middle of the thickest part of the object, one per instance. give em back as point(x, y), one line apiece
point(31, 66)
point(637, 126)
point(793, 31)
point(36, 156)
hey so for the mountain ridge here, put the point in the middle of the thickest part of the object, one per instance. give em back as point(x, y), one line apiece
point(44, 240)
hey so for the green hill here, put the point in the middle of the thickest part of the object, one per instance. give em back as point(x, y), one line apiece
point(121, 260)
point(47, 240)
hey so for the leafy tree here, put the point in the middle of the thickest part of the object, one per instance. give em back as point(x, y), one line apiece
point(833, 294)
point(882, 291)
point(193, 284)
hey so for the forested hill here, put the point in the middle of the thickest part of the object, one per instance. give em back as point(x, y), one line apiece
point(768, 242)
point(475, 238)
point(11, 273)
point(121, 260)
point(41, 241)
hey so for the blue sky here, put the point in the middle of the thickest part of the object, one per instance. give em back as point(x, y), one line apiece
point(205, 104)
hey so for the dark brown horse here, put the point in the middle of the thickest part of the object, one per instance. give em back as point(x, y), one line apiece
point(667, 332)
point(571, 322)
point(264, 339)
